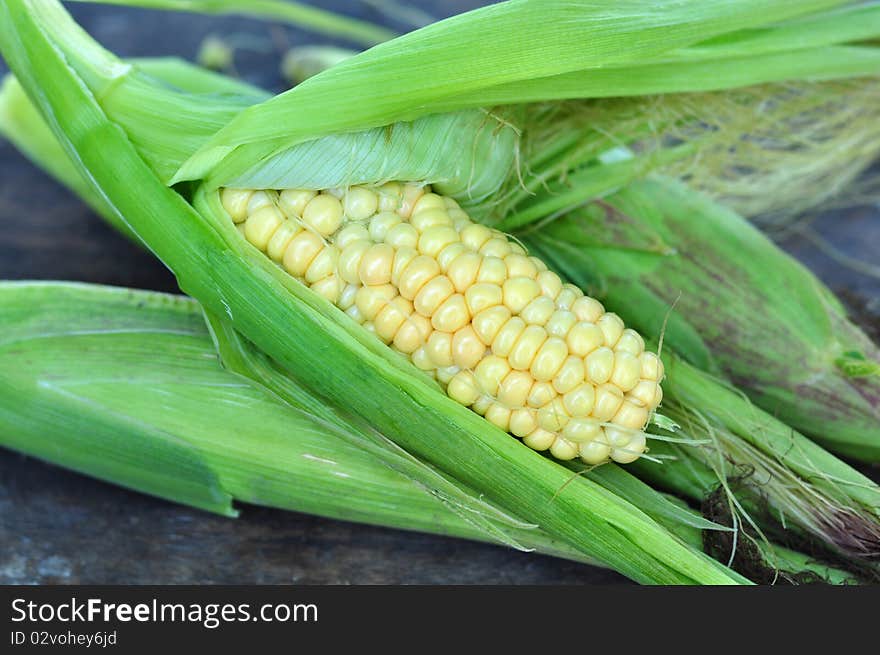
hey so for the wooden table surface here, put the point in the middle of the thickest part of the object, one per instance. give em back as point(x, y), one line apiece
point(60, 527)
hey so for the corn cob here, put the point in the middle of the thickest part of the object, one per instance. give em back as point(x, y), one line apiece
point(498, 330)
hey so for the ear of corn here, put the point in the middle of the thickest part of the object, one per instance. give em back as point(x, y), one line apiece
point(501, 333)
point(265, 306)
point(640, 250)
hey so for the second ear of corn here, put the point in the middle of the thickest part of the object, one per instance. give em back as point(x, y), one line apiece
point(499, 331)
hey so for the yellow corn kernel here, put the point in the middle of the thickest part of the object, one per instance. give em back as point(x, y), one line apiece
point(420, 271)
point(515, 389)
point(539, 311)
point(519, 292)
point(627, 371)
point(449, 254)
point(328, 287)
point(391, 317)
point(570, 375)
point(631, 451)
point(467, 349)
point(647, 392)
point(376, 264)
point(564, 449)
point(549, 283)
point(409, 196)
point(560, 324)
point(608, 400)
point(584, 338)
point(435, 239)
point(541, 394)
point(452, 315)
point(301, 250)
point(474, 236)
point(293, 201)
point(612, 327)
point(281, 239)
point(463, 270)
point(492, 271)
point(260, 199)
point(496, 247)
point(359, 203)
point(483, 296)
point(567, 297)
point(402, 235)
point(540, 439)
point(350, 260)
point(489, 322)
point(549, 359)
point(581, 430)
point(523, 422)
point(596, 451)
point(506, 337)
point(526, 347)
point(235, 202)
point(600, 365)
point(261, 225)
point(370, 300)
point(463, 388)
point(432, 295)
point(381, 224)
point(323, 214)
point(402, 258)
point(587, 309)
point(520, 266)
point(581, 400)
point(427, 202)
point(439, 348)
point(652, 367)
point(413, 334)
point(631, 416)
point(351, 233)
point(630, 341)
point(498, 415)
point(323, 265)
point(553, 416)
point(490, 371)
point(427, 219)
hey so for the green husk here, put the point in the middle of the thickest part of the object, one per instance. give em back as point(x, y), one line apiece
point(261, 303)
point(764, 466)
point(729, 301)
point(100, 360)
